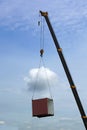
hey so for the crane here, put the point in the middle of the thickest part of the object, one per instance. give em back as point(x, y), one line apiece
point(66, 69)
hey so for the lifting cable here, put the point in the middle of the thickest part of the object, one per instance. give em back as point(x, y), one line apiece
point(42, 36)
point(35, 84)
point(49, 86)
point(41, 24)
point(37, 76)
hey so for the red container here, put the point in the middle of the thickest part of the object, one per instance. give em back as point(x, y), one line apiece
point(42, 107)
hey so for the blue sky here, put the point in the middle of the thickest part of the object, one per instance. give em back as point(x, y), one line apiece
point(19, 53)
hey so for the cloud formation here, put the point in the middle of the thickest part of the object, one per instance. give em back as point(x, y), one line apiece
point(2, 122)
point(40, 79)
point(21, 14)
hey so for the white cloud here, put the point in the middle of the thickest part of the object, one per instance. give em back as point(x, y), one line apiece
point(2, 122)
point(41, 78)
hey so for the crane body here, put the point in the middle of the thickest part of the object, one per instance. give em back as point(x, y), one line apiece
point(66, 69)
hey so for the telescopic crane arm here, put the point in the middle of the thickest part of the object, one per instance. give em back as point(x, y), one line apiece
point(66, 69)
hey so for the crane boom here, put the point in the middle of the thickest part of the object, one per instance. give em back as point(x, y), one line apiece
point(66, 69)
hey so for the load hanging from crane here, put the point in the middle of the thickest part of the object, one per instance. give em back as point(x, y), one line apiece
point(42, 107)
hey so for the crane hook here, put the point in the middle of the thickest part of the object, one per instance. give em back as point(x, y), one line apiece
point(41, 52)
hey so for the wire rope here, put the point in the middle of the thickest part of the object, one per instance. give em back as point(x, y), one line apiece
point(35, 84)
point(41, 59)
point(49, 86)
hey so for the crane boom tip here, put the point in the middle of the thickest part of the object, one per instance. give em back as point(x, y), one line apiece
point(43, 13)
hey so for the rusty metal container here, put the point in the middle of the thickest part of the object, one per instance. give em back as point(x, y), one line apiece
point(42, 107)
